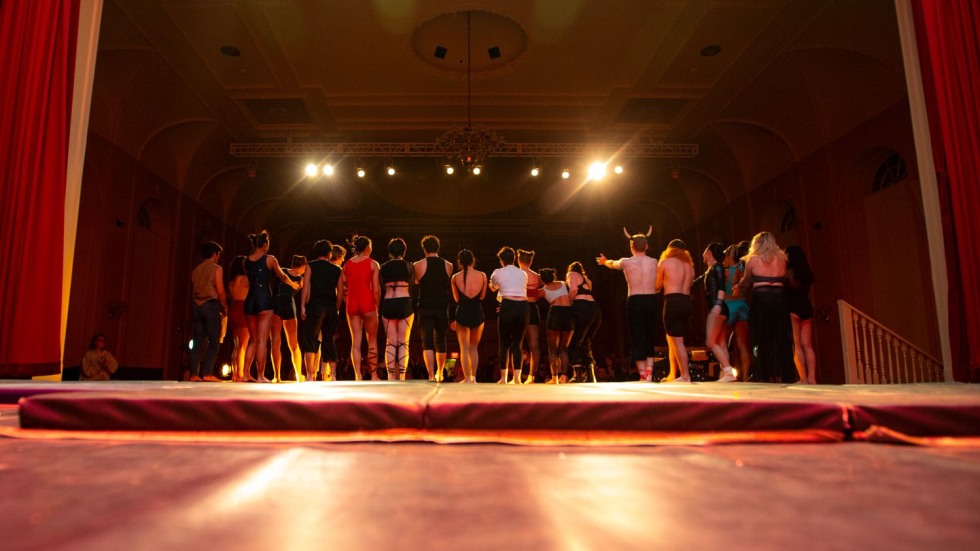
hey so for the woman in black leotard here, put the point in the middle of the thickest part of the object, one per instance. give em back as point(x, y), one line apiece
point(396, 308)
point(258, 303)
point(587, 319)
point(284, 318)
point(799, 278)
point(469, 289)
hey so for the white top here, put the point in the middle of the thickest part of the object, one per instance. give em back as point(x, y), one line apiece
point(512, 282)
point(552, 295)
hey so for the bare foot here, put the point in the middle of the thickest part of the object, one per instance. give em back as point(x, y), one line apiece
point(502, 381)
point(261, 380)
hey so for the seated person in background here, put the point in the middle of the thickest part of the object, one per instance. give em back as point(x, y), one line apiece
point(97, 363)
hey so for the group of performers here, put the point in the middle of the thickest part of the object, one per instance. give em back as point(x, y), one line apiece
point(778, 326)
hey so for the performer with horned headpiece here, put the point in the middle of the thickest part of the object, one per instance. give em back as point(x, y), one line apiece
point(642, 301)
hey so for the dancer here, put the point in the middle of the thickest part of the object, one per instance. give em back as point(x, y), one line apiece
point(360, 275)
point(510, 283)
point(738, 308)
point(675, 275)
point(587, 319)
point(769, 321)
point(258, 302)
point(532, 338)
point(238, 290)
point(469, 289)
point(432, 275)
point(97, 362)
point(319, 304)
point(561, 323)
point(799, 279)
point(714, 286)
point(284, 319)
point(210, 305)
point(396, 308)
point(642, 301)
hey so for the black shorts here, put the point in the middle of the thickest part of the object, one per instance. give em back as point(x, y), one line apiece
point(677, 312)
point(284, 307)
point(534, 314)
point(561, 318)
point(258, 301)
point(396, 308)
point(435, 325)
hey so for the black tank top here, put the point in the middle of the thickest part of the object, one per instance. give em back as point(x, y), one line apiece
point(434, 285)
point(323, 281)
point(258, 275)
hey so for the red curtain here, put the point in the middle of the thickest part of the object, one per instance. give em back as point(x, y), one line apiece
point(37, 57)
point(950, 59)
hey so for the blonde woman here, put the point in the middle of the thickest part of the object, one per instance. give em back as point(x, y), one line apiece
point(769, 321)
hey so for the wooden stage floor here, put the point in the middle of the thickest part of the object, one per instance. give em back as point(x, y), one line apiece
point(601, 466)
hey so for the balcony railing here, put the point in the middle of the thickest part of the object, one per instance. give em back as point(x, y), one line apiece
point(874, 354)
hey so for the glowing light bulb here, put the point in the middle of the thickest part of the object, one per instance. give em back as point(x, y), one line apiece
point(477, 170)
point(360, 172)
point(311, 169)
point(535, 171)
point(597, 171)
point(327, 170)
point(565, 174)
point(618, 169)
point(391, 171)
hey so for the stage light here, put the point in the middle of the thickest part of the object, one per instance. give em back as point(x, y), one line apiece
point(535, 171)
point(565, 174)
point(391, 171)
point(225, 370)
point(597, 171)
point(618, 169)
point(450, 169)
point(328, 170)
point(390, 166)
point(477, 169)
point(311, 170)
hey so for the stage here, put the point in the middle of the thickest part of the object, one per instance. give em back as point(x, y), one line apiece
point(148, 465)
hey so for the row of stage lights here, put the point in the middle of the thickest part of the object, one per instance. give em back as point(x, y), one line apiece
point(597, 170)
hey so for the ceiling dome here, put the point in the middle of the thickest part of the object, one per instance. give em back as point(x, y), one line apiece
point(495, 41)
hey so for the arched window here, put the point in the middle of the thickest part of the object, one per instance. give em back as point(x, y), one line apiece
point(892, 170)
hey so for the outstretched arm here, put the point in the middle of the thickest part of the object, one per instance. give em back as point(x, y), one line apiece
point(603, 261)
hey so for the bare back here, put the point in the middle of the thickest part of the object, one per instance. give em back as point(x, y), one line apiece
point(474, 286)
point(641, 274)
point(675, 276)
point(774, 268)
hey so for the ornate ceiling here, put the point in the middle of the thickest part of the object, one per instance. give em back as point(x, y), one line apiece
point(178, 81)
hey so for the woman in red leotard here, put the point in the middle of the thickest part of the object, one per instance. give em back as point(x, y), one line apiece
point(361, 277)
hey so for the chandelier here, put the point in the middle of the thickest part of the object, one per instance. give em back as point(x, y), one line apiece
point(469, 147)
